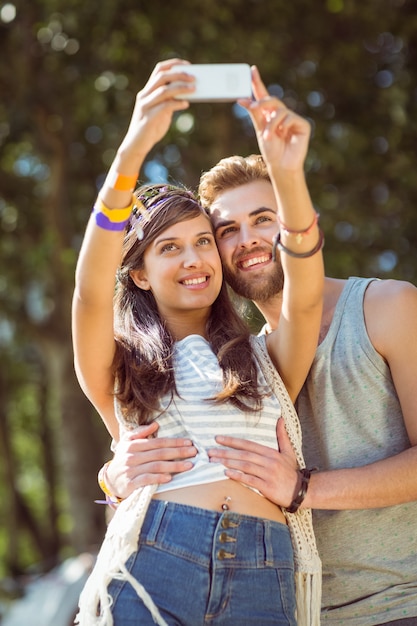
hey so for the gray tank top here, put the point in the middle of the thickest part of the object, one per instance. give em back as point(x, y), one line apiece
point(351, 416)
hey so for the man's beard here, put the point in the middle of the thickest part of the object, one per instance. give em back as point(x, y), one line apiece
point(257, 289)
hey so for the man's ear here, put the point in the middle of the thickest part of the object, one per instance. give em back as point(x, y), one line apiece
point(140, 279)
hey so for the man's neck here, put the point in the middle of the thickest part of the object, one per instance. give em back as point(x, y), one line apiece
point(271, 310)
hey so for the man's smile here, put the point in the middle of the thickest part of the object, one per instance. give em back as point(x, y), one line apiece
point(250, 262)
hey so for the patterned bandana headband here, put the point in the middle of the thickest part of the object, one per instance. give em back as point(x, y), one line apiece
point(141, 214)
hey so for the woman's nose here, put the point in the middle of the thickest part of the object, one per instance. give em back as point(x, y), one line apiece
point(192, 257)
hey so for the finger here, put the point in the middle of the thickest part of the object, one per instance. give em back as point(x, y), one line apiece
point(164, 66)
point(147, 479)
point(258, 87)
point(267, 115)
point(229, 458)
point(256, 466)
point(139, 475)
point(235, 442)
point(166, 442)
point(159, 473)
point(242, 444)
point(259, 455)
point(245, 103)
point(245, 479)
point(164, 95)
point(165, 83)
point(163, 467)
point(147, 438)
point(141, 457)
point(269, 109)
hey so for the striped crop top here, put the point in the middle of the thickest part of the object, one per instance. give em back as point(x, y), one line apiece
point(198, 376)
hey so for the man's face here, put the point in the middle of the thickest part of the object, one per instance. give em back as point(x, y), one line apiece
point(244, 220)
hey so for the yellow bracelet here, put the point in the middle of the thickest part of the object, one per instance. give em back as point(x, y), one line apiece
point(103, 486)
point(111, 219)
point(121, 182)
point(114, 215)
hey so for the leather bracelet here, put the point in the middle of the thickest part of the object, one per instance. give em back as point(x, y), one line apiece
point(276, 243)
point(305, 479)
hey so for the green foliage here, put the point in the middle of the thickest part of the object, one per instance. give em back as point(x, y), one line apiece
point(68, 77)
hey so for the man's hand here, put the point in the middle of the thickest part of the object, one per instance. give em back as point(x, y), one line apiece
point(143, 459)
point(283, 135)
point(272, 472)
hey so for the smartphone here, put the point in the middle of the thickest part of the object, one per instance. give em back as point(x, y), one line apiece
point(218, 82)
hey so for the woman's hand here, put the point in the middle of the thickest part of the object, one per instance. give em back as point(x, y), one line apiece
point(142, 459)
point(155, 104)
point(282, 135)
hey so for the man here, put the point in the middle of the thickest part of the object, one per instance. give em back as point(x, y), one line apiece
point(358, 411)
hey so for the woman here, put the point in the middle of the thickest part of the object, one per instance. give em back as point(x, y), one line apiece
point(171, 349)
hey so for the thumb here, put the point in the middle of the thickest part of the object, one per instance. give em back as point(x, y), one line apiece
point(284, 443)
point(143, 432)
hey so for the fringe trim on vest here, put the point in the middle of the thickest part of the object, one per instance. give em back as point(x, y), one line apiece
point(306, 557)
point(123, 531)
point(120, 542)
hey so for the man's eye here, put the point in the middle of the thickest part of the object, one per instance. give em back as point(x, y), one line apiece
point(227, 231)
point(263, 218)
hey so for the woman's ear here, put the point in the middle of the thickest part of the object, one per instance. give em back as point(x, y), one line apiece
point(140, 279)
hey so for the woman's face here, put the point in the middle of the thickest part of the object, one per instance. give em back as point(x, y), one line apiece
point(182, 268)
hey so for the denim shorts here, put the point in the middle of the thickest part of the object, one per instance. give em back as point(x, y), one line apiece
point(204, 567)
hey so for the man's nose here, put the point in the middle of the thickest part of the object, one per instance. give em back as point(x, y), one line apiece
point(248, 237)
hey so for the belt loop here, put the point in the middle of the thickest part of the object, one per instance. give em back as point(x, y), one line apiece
point(157, 508)
point(268, 552)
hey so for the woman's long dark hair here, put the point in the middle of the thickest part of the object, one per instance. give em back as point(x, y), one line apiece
point(143, 363)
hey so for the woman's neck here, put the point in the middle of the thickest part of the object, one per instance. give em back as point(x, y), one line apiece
point(188, 323)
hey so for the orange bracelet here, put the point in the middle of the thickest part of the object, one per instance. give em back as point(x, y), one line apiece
point(121, 182)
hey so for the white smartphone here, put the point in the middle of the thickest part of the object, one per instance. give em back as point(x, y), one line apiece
point(217, 82)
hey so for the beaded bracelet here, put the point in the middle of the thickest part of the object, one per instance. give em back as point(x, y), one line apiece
point(305, 479)
point(276, 243)
point(121, 182)
point(299, 234)
point(111, 219)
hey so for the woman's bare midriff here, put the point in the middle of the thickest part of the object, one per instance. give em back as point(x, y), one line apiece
point(225, 495)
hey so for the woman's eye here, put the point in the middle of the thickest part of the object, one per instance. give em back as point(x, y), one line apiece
point(204, 241)
point(168, 247)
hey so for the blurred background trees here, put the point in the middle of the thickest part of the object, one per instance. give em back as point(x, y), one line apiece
point(69, 72)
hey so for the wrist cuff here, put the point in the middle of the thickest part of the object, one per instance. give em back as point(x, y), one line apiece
point(305, 479)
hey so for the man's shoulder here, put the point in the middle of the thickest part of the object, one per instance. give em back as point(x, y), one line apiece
point(390, 309)
point(387, 290)
point(384, 300)
point(390, 292)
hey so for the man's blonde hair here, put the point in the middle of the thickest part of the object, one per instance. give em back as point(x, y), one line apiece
point(230, 173)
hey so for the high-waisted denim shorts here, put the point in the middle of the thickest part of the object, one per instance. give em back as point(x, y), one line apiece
point(203, 567)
